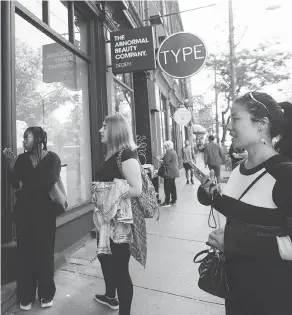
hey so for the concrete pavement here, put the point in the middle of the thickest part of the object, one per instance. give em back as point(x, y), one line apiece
point(168, 285)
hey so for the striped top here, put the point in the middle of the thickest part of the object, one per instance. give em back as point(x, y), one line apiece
point(258, 224)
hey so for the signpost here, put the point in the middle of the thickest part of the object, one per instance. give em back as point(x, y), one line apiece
point(182, 55)
point(133, 50)
point(182, 116)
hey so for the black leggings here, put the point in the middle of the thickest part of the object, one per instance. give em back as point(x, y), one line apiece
point(115, 269)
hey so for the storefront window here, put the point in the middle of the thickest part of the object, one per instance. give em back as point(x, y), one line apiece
point(59, 17)
point(52, 92)
point(80, 31)
point(163, 119)
point(34, 6)
point(123, 101)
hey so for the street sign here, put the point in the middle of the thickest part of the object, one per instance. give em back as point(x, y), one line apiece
point(182, 116)
point(133, 50)
point(182, 55)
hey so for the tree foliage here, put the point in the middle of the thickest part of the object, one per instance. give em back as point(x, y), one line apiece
point(255, 69)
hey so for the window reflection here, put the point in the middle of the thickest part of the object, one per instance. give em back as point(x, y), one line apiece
point(58, 16)
point(34, 6)
point(52, 91)
point(80, 30)
point(123, 101)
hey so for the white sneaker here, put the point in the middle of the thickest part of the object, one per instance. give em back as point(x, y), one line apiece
point(25, 307)
point(46, 303)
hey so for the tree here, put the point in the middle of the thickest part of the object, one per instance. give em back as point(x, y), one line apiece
point(254, 70)
point(202, 112)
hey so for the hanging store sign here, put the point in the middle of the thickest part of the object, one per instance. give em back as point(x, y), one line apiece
point(182, 116)
point(133, 50)
point(182, 55)
point(59, 65)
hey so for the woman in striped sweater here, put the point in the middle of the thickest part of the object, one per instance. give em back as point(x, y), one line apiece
point(257, 237)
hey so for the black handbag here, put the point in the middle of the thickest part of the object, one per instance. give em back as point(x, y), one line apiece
point(212, 272)
point(58, 197)
point(163, 171)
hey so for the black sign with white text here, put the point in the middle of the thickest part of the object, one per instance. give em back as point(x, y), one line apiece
point(133, 50)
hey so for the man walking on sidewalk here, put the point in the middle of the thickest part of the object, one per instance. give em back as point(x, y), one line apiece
point(214, 157)
point(188, 157)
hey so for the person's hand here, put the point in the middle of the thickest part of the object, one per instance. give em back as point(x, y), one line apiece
point(10, 157)
point(216, 239)
point(206, 183)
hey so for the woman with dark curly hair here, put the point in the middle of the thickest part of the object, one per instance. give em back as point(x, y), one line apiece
point(33, 175)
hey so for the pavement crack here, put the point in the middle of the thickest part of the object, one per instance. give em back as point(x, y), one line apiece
point(176, 238)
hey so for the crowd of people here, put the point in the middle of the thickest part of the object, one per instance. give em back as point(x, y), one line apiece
point(256, 240)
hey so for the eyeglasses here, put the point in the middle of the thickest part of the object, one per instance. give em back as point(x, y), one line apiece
point(253, 98)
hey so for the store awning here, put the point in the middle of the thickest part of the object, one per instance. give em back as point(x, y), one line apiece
point(198, 129)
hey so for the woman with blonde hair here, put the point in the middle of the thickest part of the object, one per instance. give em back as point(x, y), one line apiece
point(118, 138)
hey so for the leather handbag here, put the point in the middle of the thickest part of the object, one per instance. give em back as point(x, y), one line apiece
point(59, 197)
point(212, 272)
point(163, 171)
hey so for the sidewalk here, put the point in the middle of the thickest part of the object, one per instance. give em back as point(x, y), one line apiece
point(168, 285)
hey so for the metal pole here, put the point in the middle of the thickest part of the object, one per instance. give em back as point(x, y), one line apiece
point(216, 101)
point(232, 52)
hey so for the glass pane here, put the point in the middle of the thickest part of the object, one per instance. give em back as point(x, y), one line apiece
point(52, 91)
point(123, 102)
point(58, 15)
point(34, 6)
point(126, 78)
point(81, 31)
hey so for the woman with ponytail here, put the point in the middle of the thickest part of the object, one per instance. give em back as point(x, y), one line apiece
point(33, 174)
point(257, 203)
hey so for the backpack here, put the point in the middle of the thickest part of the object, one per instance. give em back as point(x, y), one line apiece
point(147, 201)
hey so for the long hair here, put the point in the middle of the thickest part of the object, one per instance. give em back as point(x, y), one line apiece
point(119, 134)
point(40, 139)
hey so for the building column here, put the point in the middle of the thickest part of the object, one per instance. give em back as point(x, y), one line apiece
point(7, 199)
point(143, 117)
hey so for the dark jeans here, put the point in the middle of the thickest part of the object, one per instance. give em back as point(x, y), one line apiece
point(115, 269)
point(170, 189)
point(35, 258)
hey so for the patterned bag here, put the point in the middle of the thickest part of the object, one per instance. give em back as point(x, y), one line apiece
point(147, 201)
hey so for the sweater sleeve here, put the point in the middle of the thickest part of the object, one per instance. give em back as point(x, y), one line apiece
point(241, 241)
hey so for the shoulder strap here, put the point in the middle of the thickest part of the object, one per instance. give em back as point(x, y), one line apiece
point(254, 182)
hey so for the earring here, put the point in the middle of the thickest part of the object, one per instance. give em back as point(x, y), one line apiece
point(263, 141)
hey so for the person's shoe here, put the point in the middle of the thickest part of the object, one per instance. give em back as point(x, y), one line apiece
point(173, 203)
point(25, 307)
point(188, 182)
point(192, 182)
point(46, 302)
point(113, 303)
point(165, 204)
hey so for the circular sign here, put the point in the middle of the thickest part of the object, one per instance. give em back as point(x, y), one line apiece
point(182, 55)
point(182, 116)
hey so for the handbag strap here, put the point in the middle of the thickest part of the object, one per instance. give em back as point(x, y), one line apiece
point(205, 251)
point(253, 183)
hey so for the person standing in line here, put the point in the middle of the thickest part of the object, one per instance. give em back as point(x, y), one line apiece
point(34, 173)
point(117, 135)
point(188, 157)
point(171, 161)
point(236, 155)
point(214, 157)
point(257, 203)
